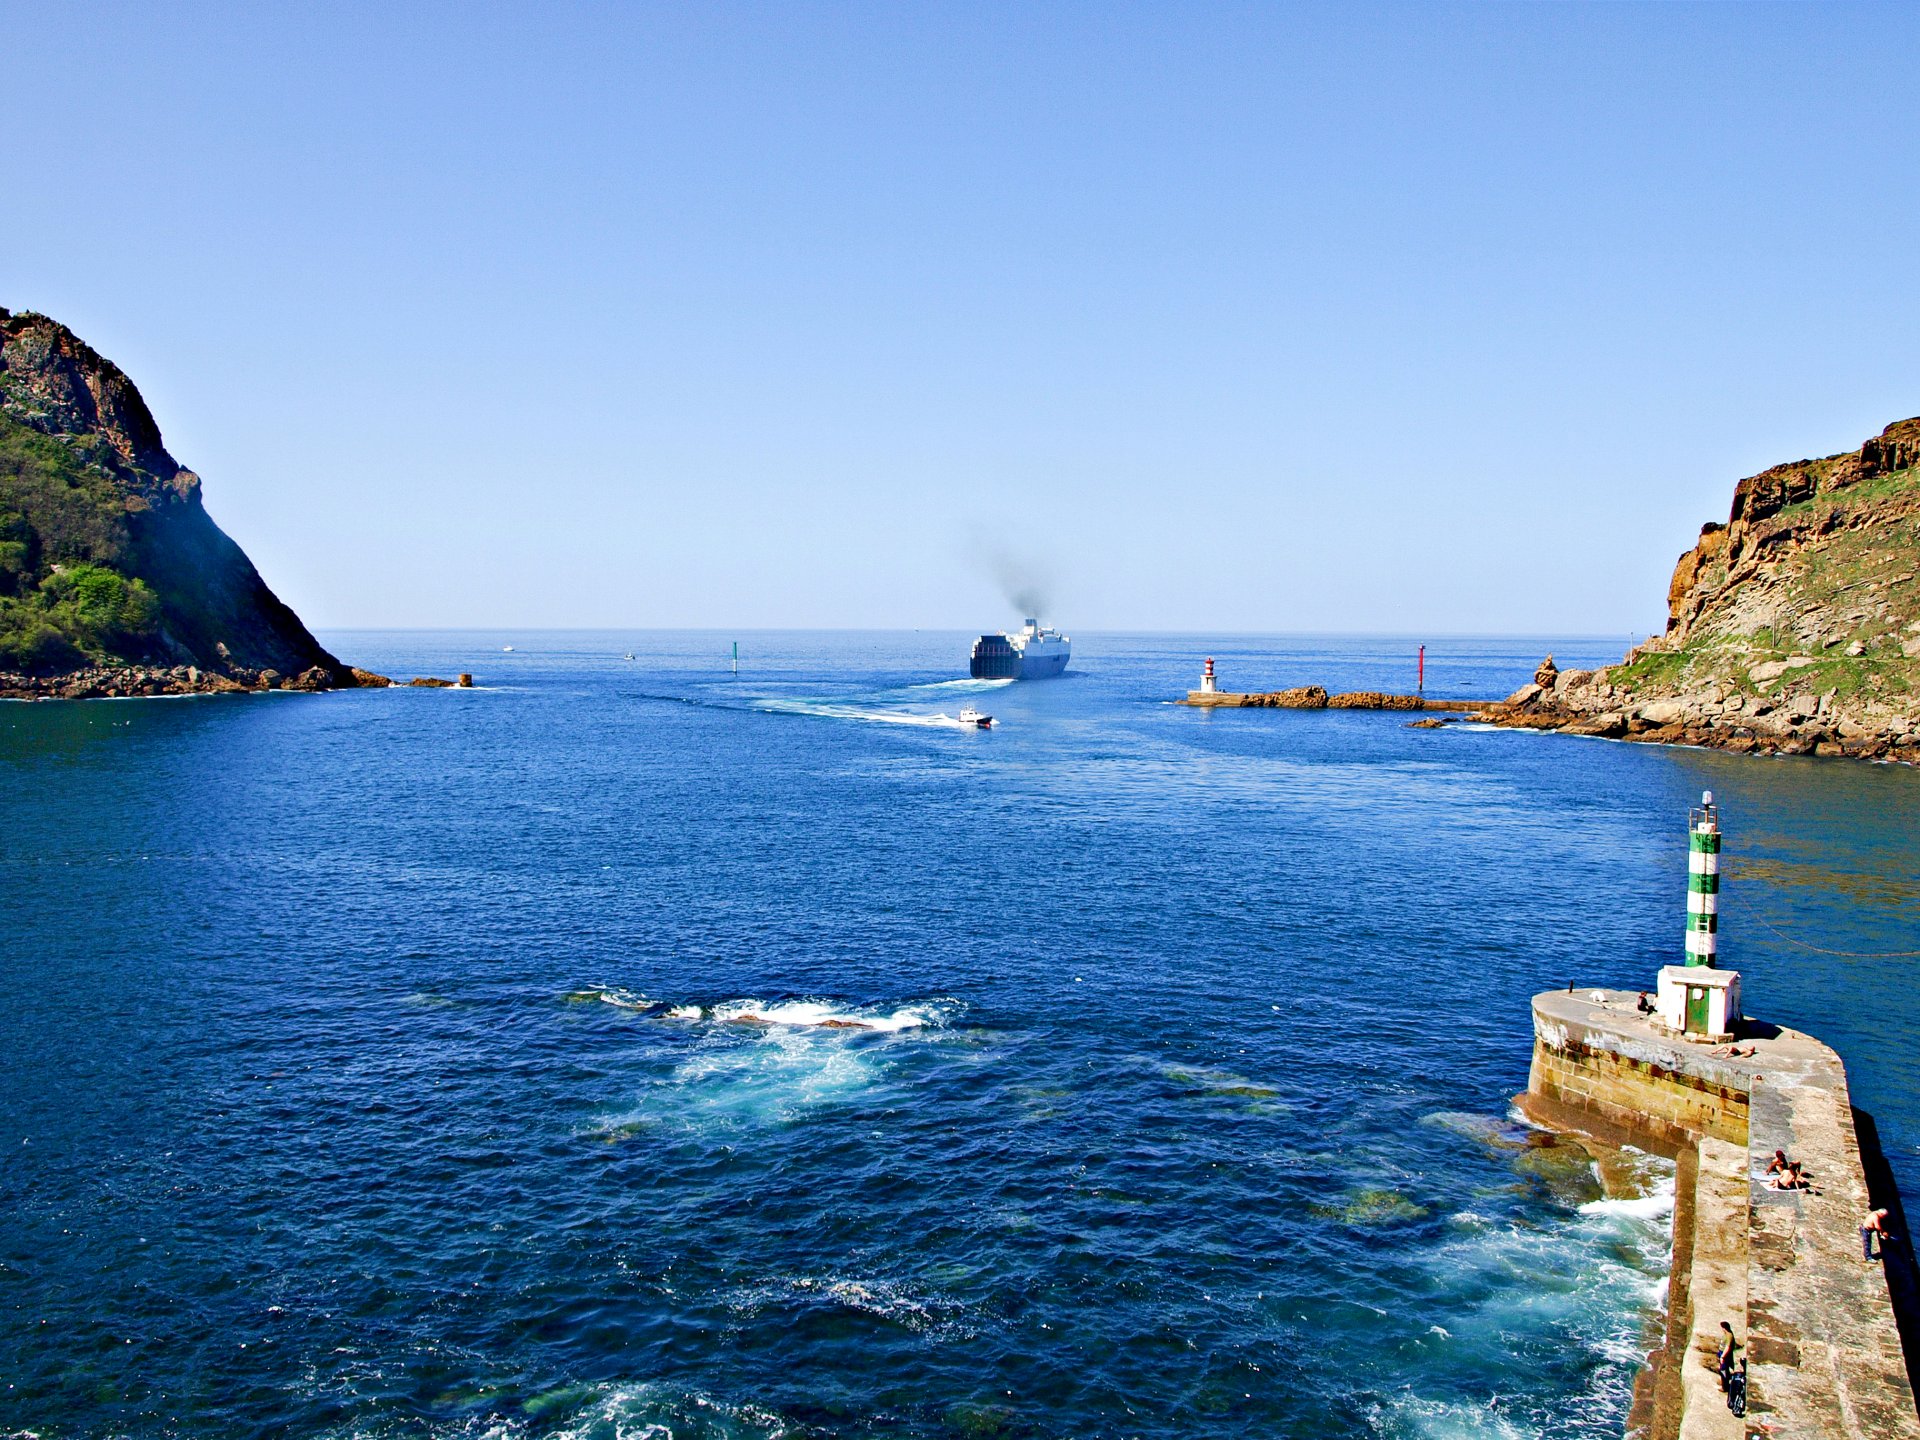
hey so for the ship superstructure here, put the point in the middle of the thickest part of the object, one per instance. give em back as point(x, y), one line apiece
point(1032, 652)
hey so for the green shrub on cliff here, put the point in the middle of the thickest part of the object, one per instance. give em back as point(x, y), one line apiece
point(63, 543)
point(79, 611)
point(59, 500)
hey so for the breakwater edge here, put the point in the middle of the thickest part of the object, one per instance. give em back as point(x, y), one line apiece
point(1785, 1310)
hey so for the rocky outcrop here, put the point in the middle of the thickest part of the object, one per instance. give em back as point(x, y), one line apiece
point(102, 682)
point(1794, 628)
point(1374, 700)
point(112, 574)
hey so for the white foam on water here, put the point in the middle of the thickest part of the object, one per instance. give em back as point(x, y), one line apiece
point(887, 1300)
point(775, 1079)
point(1411, 1415)
point(831, 710)
point(657, 1412)
point(618, 995)
point(825, 1014)
point(762, 1063)
point(963, 685)
point(1642, 1207)
point(639, 1410)
point(1592, 1280)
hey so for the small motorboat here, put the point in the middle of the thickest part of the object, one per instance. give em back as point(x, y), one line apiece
point(971, 716)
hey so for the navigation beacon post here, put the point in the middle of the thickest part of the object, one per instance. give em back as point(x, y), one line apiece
point(1207, 683)
point(1697, 998)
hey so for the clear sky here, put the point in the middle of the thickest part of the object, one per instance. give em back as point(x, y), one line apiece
point(1424, 319)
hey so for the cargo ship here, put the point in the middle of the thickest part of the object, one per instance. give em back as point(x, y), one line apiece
point(1032, 652)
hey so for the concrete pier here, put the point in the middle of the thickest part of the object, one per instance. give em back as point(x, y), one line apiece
point(1783, 1267)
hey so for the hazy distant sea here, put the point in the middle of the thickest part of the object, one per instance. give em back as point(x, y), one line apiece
point(367, 1067)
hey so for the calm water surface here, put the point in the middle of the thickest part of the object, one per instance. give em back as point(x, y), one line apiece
point(366, 1066)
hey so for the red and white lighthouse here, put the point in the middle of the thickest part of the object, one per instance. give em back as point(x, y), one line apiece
point(1207, 685)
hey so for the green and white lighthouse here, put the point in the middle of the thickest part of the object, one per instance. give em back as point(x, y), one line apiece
point(1698, 998)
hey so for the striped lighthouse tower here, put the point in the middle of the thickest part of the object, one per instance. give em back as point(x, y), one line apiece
point(1699, 999)
point(1703, 882)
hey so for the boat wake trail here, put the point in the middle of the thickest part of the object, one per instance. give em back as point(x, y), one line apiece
point(962, 687)
point(831, 710)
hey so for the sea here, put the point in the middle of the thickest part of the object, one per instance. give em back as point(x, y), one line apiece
point(628, 1047)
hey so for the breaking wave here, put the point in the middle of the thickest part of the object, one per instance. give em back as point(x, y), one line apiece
point(825, 1015)
point(754, 1064)
point(806, 1014)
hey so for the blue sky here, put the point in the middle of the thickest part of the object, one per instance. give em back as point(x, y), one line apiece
point(1422, 319)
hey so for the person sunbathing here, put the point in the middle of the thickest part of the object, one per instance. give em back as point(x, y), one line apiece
point(1792, 1178)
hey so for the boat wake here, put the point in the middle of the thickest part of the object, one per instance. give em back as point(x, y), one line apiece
point(960, 687)
point(832, 710)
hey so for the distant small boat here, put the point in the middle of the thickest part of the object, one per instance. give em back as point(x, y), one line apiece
point(971, 716)
point(627, 656)
point(506, 648)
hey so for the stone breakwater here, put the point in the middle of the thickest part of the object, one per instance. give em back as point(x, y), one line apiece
point(1313, 697)
point(110, 682)
point(1772, 719)
point(1782, 1267)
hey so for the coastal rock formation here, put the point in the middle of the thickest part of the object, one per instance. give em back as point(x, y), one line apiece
point(1794, 628)
point(113, 577)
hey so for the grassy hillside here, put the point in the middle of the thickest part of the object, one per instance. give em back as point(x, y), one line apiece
point(1813, 588)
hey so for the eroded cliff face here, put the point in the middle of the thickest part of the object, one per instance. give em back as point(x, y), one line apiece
point(1792, 628)
point(107, 556)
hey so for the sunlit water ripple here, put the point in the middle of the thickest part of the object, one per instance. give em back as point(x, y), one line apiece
point(451, 1063)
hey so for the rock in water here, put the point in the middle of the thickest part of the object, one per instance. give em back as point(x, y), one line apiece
point(107, 554)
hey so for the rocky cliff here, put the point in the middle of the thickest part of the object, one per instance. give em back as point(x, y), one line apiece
point(1793, 628)
point(113, 577)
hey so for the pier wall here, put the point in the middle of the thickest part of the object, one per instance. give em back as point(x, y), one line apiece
point(1784, 1268)
point(1636, 1086)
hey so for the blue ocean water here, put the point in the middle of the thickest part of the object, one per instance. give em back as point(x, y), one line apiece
point(377, 1064)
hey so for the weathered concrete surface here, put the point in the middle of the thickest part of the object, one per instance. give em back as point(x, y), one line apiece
point(1638, 1077)
point(1717, 1288)
point(1783, 1267)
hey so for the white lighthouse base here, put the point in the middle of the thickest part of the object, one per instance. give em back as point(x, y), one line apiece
point(1714, 1010)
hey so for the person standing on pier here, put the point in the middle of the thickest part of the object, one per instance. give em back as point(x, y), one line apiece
point(1729, 1352)
point(1874, 1224)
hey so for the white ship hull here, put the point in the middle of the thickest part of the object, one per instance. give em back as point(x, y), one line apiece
point(1031, 653)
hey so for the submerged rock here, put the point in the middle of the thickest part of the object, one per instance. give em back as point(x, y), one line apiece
point(1372, 1206)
